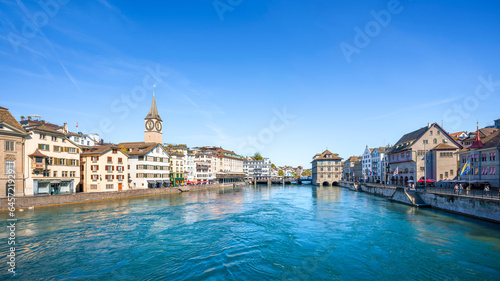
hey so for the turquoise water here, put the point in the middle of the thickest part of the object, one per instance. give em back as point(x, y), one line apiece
point(268, 233)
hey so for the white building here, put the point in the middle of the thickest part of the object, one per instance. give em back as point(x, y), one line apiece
point(52, 162)
point(257, 169)
point(84, 140)
point(148, 164)
point(367, 162)
point(204, 162)
point(189, 166)
point(377, 165)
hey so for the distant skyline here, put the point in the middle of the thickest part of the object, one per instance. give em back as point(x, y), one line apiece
point(284, 78)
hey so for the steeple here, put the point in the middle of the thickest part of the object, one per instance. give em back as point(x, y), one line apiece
point(153, 112)
point(477, 142)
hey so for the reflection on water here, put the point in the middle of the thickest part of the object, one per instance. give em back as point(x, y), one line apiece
point(253, 233)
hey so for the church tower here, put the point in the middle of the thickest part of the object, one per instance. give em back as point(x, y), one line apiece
point(152, 123)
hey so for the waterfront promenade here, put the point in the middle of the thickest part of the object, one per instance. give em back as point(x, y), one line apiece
point(478, 204)
point(47, 200)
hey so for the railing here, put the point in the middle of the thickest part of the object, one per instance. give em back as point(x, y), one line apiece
point(464, 192)
point(444, 190)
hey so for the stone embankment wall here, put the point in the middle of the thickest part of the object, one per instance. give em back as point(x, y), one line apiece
point(481, 208)
point(47, 200)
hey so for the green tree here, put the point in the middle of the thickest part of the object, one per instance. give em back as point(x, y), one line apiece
point(273, 166)
point(306, 173)
point(281, 173)
point(258, 157)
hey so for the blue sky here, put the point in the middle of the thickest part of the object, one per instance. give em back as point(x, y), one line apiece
point(267, 76)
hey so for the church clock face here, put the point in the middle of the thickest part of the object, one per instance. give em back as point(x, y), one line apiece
point(149, 125)
point(158, 125)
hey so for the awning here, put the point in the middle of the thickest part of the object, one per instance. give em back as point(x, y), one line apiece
point(427, 181)
point(151, 181)
point(55, 181)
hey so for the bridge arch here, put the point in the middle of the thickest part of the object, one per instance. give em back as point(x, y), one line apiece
point(325, 183)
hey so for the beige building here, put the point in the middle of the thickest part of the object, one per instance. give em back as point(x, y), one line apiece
point(427, 153)
point(348, 169)
point(12, 145)
point(104, 168)
point(326, 168)
point(52, 161)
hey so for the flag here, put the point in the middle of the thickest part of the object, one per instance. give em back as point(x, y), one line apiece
point(396, 171)
point(465, 169)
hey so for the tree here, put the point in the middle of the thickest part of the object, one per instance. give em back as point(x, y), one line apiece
point(306, 173)
point(281, 173)
point(258, 157)
point(273, 166)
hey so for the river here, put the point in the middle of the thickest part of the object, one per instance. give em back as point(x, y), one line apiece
point(263, 233)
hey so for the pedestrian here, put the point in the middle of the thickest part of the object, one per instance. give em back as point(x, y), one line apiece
point(455, 189)
point(487, 189)
point(461, 189)
point(467, 190)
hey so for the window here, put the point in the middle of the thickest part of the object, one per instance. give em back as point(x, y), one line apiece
point(93, 186)
point(446, 174)
point(451, 172)
point(493, 156)
point(435, 141)
point(483, 157)
point(110, 160)
point(422, 169)
point(71, 150)
point(9, 146)
point(54, 138)
point(9, 167)
point(115, 151)
point(109, 186)
point(120, 161)
point(44, 147)
point(42, 136)
point(55, 174)
point(426, 141)
point(72, 174)
point(440, 176)
point(431, 132)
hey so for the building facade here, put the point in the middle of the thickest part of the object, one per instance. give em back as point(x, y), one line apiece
point(257, 169)
point(12, 150)
point(484, 160)
point(348, 169)
point(148, 164)
point(52, 162)
point(326, 168)
point(104, 169)
point(428, 153)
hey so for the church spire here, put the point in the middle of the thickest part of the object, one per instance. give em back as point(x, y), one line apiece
point(477, 142)
point(153, 112)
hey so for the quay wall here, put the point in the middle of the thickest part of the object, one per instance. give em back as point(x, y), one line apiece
point(47, 200)
point(481, 208)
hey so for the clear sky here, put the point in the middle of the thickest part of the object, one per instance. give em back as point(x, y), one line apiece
point(285, 78)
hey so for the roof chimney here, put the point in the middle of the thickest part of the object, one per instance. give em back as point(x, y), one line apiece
point(65, 128)
point(429, 125)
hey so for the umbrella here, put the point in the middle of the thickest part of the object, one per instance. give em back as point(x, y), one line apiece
point(411, 181)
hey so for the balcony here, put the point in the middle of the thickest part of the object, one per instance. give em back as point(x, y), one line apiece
point(37, 166)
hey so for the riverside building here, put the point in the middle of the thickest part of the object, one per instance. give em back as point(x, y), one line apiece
point(12, 146)
point(104, 168)
point(428, 153)
point(52, 161)
point(326, 168)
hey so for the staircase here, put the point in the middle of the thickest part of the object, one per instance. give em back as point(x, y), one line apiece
point(415, 198)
